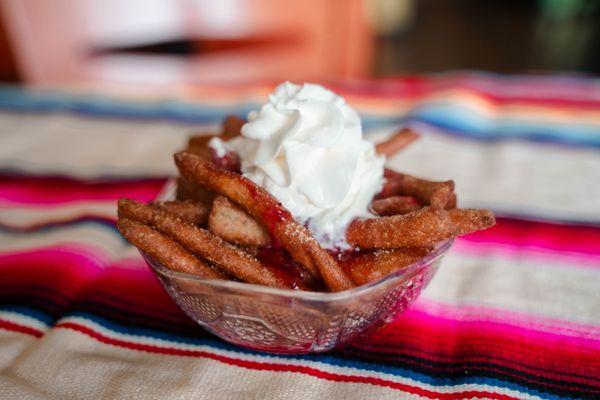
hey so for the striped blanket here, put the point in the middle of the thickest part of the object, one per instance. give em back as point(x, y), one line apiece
point(514, 311)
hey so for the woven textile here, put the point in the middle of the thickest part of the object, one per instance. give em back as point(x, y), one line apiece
point(514, 311)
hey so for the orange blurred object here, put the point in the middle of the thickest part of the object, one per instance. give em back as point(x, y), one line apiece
point(95, 41)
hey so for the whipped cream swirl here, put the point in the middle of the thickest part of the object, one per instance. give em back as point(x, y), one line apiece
point(305, 146)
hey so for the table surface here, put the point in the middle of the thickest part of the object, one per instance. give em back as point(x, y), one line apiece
point(514, 311)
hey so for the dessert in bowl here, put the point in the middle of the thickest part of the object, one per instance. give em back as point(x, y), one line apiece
point(287, 234)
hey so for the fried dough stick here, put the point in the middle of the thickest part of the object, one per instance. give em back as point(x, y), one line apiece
point(396, 142)
point(372, 266)
point(198, 144)
point(452, 202)
point(232, 126)
point(421, 228)
point(164, 250)
point(201, 242)
point(234, 225)
point(230, 223)
point(469, 220)
point(195, 212)
point(190, 191)
point(428, 192)
point(395, 205)
point(424, 227)
point(257, 202)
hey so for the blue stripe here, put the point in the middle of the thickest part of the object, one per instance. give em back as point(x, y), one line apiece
point(16, 100)
point(29, 312)
point(329, 358)
point(460, 120)
point(448, 117)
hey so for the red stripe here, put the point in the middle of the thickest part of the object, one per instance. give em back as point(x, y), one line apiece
point(12, 326)
point(55, 190)
point(265, 366)
point(545, 93)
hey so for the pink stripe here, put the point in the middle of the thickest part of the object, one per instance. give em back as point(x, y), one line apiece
point(513, 318)
point(541, 92)
point(479, 330)
point(81, 271)
point(53, 190)
point(79, 258)
point(542, 235)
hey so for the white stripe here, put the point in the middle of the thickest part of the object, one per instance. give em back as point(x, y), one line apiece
point(94, 236)
point(35, 214)
point(538, 255)
point(90, 147)
point(549, 289)
point(513, 177)
point(24, 320)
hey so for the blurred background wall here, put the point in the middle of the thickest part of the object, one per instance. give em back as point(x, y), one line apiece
point(185, 42)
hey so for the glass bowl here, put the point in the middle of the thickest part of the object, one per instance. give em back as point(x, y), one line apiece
point(296, 322)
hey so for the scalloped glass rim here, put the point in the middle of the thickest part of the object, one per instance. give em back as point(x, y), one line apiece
point(440, 250)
